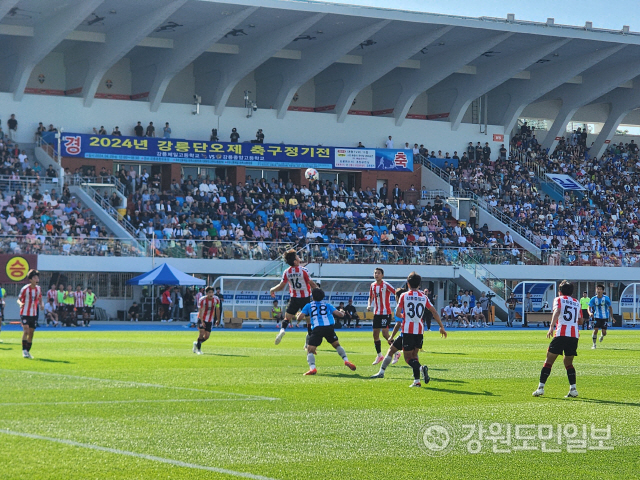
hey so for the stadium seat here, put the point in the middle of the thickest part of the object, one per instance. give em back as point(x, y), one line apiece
point(252, 315)
point(265, 315)
point(227, 314)
point(241, 314)
point(369, 315)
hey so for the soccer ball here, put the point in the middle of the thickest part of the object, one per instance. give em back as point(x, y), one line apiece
point(311, 174)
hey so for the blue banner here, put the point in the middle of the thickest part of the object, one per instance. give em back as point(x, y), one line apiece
point(198, 152)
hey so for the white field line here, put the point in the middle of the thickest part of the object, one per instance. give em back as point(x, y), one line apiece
point(141, 384)
point(107, 402)
point(153, 458)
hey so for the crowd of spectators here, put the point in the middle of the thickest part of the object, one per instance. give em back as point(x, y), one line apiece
point(207, 218)
point(594, 227)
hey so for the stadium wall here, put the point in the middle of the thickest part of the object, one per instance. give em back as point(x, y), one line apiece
point(296, 127)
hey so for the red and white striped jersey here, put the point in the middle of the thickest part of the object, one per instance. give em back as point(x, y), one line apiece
point(30, 298)
point(79, 298)
point(53, 294)
point(298, 279)
point(380, 296)
point(208, 307)
point(412, 305)
point(198, 296)
point(570, 312)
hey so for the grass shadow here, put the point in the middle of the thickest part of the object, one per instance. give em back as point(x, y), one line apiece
point(225, 355)
point(343, 375)
point(603, 402)
point(446, 353)
point(49, 360)
point(628, 349)
point(444, 380)
point(464, 392)
point(6, 348)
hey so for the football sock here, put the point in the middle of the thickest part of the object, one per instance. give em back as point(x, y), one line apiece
point(285, 324)
point(199, 344)
point(544, 374)
point(24, 344)
point(571, 374)
point(342, 353)
point(594, 337)
point(385, 363)
point(378, 344)
point(415, 365)
point(29, 346)
point(311, 360)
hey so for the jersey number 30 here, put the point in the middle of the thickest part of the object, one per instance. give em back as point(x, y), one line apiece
point(415, 309)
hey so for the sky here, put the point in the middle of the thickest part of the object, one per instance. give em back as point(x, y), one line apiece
point(611, 15)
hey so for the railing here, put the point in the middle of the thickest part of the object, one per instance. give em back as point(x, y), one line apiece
point(27, 184)
point(471, 258)
point(482, 273)
point(481, 202)
point(497, 213)
point(111, 210)
point(79, 180)
point(73, 246)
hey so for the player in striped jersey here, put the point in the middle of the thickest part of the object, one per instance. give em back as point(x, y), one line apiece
point(321, 318)
point(395, 344)
point(601, 312)
point(379, 297)
point(79, 298)
point(568, 317)
point(300, 286)
point(30, 299)
point(208, 314)
point(410, 308)
point(53, 294)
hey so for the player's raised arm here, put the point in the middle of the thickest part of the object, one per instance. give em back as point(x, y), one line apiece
point(277, 288)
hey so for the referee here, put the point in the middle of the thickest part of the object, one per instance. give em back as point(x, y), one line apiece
point(584, 306)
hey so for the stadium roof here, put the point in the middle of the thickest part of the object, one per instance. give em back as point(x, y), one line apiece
point(401, 54)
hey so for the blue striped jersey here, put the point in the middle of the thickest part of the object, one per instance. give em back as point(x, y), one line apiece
point(600, 306)
point(321, 313)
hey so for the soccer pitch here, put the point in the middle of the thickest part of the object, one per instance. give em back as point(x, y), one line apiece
point(141, 405)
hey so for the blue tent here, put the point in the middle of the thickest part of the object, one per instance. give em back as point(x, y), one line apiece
point(165, 275)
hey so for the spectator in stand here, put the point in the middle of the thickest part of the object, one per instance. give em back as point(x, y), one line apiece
point(259, 136)
point(39, 131)
point(166, 131)
point(116, 132)
point(138, 130)
point(165, 300)
point(360, 145)
point(389, 142)
point(102, 131)
point(396, 193)
point(151, 130)
point(214, 135)
point(235, 136)
point(12, 125)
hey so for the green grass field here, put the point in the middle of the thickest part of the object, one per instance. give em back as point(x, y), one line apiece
point(141, 406)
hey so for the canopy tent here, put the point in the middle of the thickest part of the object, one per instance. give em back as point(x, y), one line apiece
point(165, 274)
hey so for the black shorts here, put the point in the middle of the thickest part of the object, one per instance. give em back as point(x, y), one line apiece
point(585, 314)
point(206, 326)
point(382, 321)
point(296, 304)
point(397, 343)
point(564, 345)
point(411, 341)
point(318, 333)
point(60, 309)
point(30, 321)
point(601, 323)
